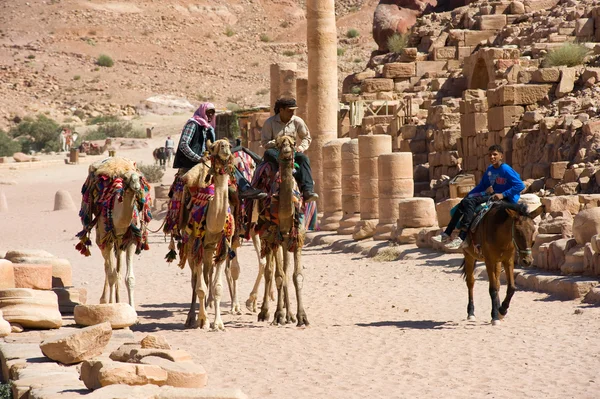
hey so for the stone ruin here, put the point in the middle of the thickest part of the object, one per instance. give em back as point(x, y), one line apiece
point(472, 77)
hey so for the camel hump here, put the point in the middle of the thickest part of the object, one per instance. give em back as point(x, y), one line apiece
point(197, 176)
point(113, 166)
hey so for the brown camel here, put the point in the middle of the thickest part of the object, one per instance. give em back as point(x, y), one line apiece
point(504, 229)
point(212, 235)
point(287, 226)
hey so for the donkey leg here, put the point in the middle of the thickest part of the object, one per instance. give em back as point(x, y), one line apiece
point(493, 269)
point(510, 287)
point(470, 278)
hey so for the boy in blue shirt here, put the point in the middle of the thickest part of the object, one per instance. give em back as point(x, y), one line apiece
point(499, 181)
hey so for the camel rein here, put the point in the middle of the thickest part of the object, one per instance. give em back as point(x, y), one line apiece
point(159, 229)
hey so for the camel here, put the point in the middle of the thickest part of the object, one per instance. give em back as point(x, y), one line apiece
point(119, 205)
point(284, 232)
point(209, 236)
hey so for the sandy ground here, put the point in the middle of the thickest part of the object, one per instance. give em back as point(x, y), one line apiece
point(378, 330)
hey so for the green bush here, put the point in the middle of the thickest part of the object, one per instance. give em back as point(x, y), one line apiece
point(37, 134)
point(98, 120)
point(356, 90)
point(340, 51)
point(5, 391)
point(358, 60)
point(8, 147)
point(568, 54)
point(289, 53)
point(114, 129)
point(76, 77)
point(352, 33)
point(284, 24)
point(79, 113)
point(262, 92)
point(396, 43)
point(233, 107)
point(105, 61)
point(229, 32)
point(265, 38)
point(152, 173)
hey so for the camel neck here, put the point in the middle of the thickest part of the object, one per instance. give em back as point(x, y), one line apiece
point(286, 200)
point(123, 210)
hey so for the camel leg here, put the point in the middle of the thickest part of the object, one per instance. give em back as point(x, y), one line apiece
point(217, 292)
point(470, 277)
point(264, 311)
point(298, 283)
point(119, 257)
point(190, 322)
point(284, 257)
point(280, 281)
point(202, 292)
point(110, 274)
point(510, 289)
point(493, 268)
point(234, 273)
point(251, 301)
point(129, 276)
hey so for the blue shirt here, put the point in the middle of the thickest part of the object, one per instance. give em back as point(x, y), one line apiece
point(504, 180)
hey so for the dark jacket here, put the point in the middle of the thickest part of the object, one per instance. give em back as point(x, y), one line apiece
point(197, 144)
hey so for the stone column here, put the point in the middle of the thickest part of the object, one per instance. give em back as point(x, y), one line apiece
point(322, 83)
point(302, 95)
point(332, 189)
point(370, 148)
point(350, 187)
point(287, 79)
point(274, 76)
point(395, 183)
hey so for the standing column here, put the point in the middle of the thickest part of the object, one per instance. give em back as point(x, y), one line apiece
point(322, 83)
point(350, 187)
point(369, 150)
point(395, 183)
point(332, 189)
point(302, 95)
point(274, 76)
point(287, 79)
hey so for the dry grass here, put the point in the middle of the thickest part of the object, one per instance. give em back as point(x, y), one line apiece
point(389, 254)
point(568, 54)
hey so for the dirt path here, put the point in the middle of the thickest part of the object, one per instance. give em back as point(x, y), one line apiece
point(378, 330)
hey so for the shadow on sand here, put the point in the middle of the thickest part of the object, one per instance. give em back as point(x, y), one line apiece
point(409, 324)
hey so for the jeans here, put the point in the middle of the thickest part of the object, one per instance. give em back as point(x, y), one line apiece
point(466, 211)
point(242, 183)
point(303, 175)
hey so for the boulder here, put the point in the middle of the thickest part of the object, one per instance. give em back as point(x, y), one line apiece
point(120, 315)
point(99, 373)
point(574, 259)
point(30, 308)
point(75, 346)
point(180, 374)
point(154, 341)
point(21, 157)
point(586, 224)
point(557, 223)
point(556, 252)
point(123, 352)
point(63, 201)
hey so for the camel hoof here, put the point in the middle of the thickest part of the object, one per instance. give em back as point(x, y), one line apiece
point(302, 320)
point(495, 322)
point(218, 326)
point(290, 318)
point(471, 318)
point(501, 316)
point(235, 309)
point(278, 318)
point(263, 315)
point(202, 324)
point(251, 305)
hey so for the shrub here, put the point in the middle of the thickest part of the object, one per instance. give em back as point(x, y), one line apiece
point(262, 92)
point(358, 60)
point(105, 61)
point(98, 120)
point(76, 77)
point(115, 129)
point(265, 38)
point(356, 90)
point(388, 254)
point(568, 54)
point(233, 107)
point(352, 33)
point(30, 56)
point(37, 134)
point(284, 24)
point(396, 43)
point(8, 147)
point(340, 51)
point(79, 113)
point(255, 64)
point(152, 173)
point(5, 391)
point(229, 32)
point(289, 53)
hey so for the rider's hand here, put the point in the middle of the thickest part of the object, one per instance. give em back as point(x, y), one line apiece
point(299, 149)
point(489, 190)
point(498, 196)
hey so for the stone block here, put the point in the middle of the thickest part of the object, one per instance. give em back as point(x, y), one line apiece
point(424, 67)
point(474, 123)
point(399, 70)
point(180, 374)
point(492, 22)
point(373, 85)
point(99, 373)
point(119, 315)
point(30, 308)
point(586, 224)
point(562, 203)
point(75, 346)
point(474, 37)
point(35, 276)
point(444, 53)
point(557, 169)
point(584, 27)
point(519, 94)
point(7, 274)
point(416, 212)
point(546, 75)
point(443, 210)
point(507, 116)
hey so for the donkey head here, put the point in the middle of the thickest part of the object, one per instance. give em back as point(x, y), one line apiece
point(220, 149)
point(524, 231)
point(285, 145)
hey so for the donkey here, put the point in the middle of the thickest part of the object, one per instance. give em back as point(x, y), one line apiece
point(160, 157)
point(505, 228)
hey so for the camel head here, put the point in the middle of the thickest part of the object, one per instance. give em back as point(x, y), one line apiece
point(285, 145)
point(132, 181)
point(220, 149)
